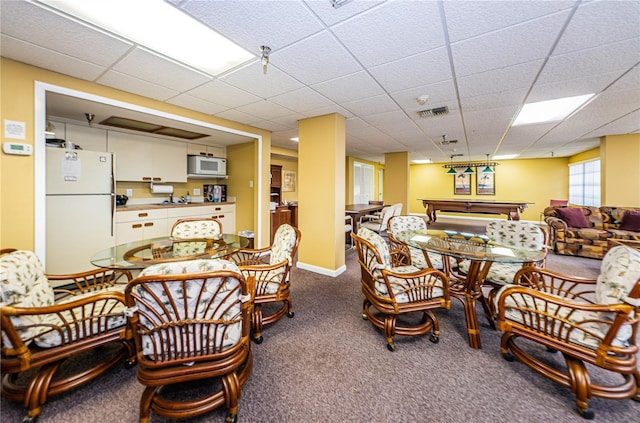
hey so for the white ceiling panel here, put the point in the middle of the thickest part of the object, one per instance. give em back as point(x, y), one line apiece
point(392, 31)
point(150, 67)
point(369, 61)
point(52, 31)
point(135, 85)
point(48, 59)
point(255, 23)
point(349, 88)
point(600, 23)
point(489, 16)
point(507, 47)
point(415, 71)
point(222, 93)
point(302, 100)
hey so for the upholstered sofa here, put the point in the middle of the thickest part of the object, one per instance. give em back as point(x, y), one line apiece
point(587, 231)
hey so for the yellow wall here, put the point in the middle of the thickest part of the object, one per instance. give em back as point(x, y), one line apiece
point(17, 83)
point(536, 181)
point(621, 170)
point(321, 198)
point(396, 179)
point(244, 158)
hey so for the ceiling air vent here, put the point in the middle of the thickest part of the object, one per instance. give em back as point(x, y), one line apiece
point(434, 112)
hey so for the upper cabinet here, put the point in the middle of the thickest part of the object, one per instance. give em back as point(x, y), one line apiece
point(206, 150)
point(148, 159)
point(276, 183)
point(92, 139)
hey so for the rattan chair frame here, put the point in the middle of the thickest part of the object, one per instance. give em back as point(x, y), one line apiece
point(571, 294)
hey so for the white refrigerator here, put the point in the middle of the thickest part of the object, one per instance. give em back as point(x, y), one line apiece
point(80, 207)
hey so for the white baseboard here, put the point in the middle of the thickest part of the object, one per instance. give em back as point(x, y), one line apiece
point(322, 270)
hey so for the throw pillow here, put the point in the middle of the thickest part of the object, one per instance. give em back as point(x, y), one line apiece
point(631, 221)
point(574, 217)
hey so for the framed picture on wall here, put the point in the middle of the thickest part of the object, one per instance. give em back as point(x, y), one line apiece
point(462, 184)
point(486, 184)
point(288, 181)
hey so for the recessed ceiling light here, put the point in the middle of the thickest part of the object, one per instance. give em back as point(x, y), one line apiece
point(550, 110)
point(161, 27)
point(296, 139)
point(505, 157)
point(421, 161)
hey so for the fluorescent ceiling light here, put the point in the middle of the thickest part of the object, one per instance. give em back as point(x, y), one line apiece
point(161, 27)
point(505, 157)
point(296, 139)
point(421, 161)
point(550, 110)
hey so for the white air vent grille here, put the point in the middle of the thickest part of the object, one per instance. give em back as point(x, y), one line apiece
point(434, 112)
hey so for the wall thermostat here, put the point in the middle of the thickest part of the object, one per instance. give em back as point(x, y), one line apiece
point(18, 148)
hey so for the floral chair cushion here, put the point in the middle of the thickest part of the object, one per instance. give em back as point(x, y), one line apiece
point(407, 223)
point(283, 242)
point(222, 297)
point(205, 228)
point(379, 244)
point(619, 272)
point(23, 283)
point(516, 234)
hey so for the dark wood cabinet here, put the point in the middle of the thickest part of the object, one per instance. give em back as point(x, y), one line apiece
point(276, 184)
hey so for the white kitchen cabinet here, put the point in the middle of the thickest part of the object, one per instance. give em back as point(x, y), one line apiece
point(225, 213)
point(148, 159)
point(136, 225)
point(206, 150)
point(92, 139)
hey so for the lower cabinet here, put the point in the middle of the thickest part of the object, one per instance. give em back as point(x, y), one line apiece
point(136, 225)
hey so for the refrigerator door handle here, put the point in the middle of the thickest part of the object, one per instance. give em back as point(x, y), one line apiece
point(113, 195)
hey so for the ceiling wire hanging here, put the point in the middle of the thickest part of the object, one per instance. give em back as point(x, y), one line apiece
point(264, 57)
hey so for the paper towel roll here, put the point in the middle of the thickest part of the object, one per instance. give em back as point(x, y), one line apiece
point(161, 189)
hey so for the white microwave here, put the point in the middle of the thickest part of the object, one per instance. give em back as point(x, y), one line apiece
point(207, 166)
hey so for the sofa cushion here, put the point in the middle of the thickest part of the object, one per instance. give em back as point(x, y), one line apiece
point(631, 221)
point(574, 217)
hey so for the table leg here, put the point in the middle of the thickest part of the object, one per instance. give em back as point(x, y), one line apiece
point(468, 291)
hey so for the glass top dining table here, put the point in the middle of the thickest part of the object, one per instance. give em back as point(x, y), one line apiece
point(142, 253)
point(481, 253)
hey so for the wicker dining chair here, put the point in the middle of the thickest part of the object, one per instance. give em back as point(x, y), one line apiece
point(391, 291)
point(43, 327)
point(270, 267)
point(197, 227)
point(592, 322)
point(415, 256)
point(191, 323)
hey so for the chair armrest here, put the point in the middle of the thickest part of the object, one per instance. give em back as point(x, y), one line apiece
point(264, 275)
point(249, 256)
point(94, 280)
point(556, 223)
point(558, 284)
point(418, 285)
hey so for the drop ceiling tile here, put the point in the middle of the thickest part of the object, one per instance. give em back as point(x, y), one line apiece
point(290, 121)
point(592, 61)
point(222, 93)
point(449, 125)
point(415, 71)
point(134, 85)
point(489, 16)
point(329, 110)
point(316, 59)
point(302, 100)
point(629, 80)
point(371, 106)
point(252, 78)
point(268, 125)
point(349, 88)
point(330, 15)
point(572, 87)
point(494, 100)
point(507, 47)
point(254, 23)
point(390, 122)
point(265, 109)
point(438, 93)
point(147, 66)
point(392, 31)
point(37, 25)
point(601, 23)
point(627, 124)
point(497, 80)
point(238, 116)
point(48, 59)
point(194, 103)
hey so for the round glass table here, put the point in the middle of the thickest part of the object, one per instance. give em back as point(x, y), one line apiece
point(143, 253)
point(481, 252)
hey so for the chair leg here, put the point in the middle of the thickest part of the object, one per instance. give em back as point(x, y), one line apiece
point(256, 323)
point(580, 383)
point(145, 402)
point(390, 330)
point(231, 388)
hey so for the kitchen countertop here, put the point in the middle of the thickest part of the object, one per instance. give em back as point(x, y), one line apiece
point(130, 207)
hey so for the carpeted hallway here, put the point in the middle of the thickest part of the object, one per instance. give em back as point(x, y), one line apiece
point(328, 364)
